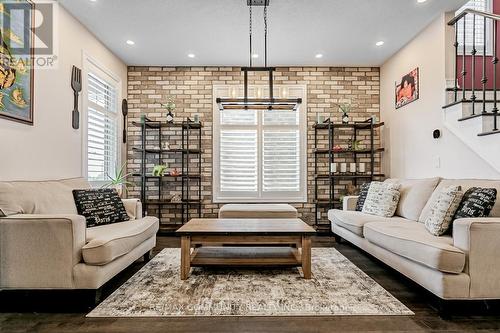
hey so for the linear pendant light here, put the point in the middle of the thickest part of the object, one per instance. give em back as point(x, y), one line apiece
point(270, 103)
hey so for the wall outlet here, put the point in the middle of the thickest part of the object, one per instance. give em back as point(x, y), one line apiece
point(437, 162)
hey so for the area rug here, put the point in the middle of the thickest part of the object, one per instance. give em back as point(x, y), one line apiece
point(337, 288)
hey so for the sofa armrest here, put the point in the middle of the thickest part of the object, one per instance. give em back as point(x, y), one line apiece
point(479, 239)
point(349, 202)
point(133, 208)
point(40, 251)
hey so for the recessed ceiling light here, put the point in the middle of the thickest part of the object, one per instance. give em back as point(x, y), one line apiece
point(130, 42)
point(191, 55)
point(319, 56)
point(380, 43)
point(93, 0)
point(255, 56)
point(421, 1)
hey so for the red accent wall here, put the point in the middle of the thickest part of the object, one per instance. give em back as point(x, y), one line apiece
point(479, 63)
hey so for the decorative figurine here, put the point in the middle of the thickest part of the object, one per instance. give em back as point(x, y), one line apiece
point(175, 173)
point(176, 198)
point(159, 170)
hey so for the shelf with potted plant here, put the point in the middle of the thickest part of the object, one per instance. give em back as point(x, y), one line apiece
point(154, 149)
point(357, 162)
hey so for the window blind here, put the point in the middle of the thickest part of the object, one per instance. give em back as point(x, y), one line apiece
point(238, 161)
point(484, 6)
point(102, 129)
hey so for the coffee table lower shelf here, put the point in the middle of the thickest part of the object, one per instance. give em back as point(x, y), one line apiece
point(245, 252)
point(245, 256)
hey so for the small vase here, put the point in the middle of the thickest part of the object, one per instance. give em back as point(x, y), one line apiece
point(170, 117)
point(345, 118)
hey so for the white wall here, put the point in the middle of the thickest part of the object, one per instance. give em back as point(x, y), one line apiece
point(407, 136)
point(52, 149)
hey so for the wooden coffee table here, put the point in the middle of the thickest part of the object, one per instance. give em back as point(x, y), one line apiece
point(246, 242)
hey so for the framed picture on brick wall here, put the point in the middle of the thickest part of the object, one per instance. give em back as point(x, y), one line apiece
point(407, 90)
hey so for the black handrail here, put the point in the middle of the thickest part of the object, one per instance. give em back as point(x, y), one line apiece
point(473, 52)
point(475, 12)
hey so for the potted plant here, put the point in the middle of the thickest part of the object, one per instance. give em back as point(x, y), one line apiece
point(119, 180)
point(170, 106)
point(345, 109)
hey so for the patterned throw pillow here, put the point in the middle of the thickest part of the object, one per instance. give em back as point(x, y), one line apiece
point(382, 199)
point(443, 209)
point(363, 192)
point(100, 206)
point(477, 202)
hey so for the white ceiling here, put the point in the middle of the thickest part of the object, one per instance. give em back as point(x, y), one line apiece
point(216, 31)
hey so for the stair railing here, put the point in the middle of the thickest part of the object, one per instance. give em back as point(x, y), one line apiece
point(460, 20)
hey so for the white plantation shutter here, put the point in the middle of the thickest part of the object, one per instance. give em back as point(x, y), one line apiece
point(102, 128)
point(259, 156)
point(484, 6)
point(281, 161)
point(238, 161)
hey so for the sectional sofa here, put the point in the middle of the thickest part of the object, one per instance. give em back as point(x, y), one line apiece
point(44, 243)
point(463, 265)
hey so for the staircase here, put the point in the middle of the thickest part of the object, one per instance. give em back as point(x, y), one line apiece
point(472, 105)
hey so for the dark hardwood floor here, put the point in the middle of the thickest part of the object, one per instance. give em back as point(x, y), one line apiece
point(65, 312)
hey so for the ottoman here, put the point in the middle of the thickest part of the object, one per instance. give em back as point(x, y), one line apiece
point(257, 211)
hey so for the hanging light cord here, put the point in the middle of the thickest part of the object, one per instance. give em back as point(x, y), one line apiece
point(265, 33)
point(251, 34)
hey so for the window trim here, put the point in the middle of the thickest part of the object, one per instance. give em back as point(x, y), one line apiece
point(88, 62)
point(228, 91)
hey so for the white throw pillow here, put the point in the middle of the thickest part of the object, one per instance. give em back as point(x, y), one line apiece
point(443, 209)
point(382, 199)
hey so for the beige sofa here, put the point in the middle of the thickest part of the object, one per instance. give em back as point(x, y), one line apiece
point(464, 265)
point(44, 244)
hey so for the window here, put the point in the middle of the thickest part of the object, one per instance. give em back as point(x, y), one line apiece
point(102, 124)
point(260, 156)
point(480, 5)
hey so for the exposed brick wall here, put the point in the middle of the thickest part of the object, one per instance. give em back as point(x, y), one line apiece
point(191, 87)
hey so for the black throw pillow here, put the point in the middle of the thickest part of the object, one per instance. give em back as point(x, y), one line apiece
point(363, 192)
point(477, 202)
point(100, 206)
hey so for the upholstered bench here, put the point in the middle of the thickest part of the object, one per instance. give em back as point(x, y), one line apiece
point(249, 211)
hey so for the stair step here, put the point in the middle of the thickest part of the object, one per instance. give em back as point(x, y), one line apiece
point(489, 133)
point(487, 114)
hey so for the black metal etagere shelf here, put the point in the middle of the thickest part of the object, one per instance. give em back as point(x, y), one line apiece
point(353, 155)
point(153, 135)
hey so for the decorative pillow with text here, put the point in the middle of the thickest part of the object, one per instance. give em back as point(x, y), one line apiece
point(477, 202)
point(100, 206)
point(382, 199)
point(363, 192)
point(443, 210)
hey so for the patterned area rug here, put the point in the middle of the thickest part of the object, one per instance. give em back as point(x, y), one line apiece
point(338, 287)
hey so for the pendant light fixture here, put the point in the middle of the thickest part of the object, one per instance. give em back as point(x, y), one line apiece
point(258, 103)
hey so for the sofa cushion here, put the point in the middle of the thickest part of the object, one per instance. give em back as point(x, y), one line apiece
point(382, 199)
point(108, 242)
point(40, 197)
point(465, 184)
point(250, 211)
point(414, 195)
point(354, 221)
point(412, 241)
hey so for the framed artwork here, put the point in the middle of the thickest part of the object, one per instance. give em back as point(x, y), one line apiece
point(407, 90)
point(16, 62)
